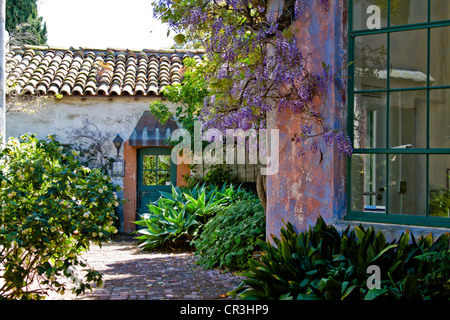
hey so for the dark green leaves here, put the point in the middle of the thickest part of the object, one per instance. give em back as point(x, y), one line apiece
point(322, 264)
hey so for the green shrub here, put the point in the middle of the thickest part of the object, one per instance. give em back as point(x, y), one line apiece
point(229, 239)
point(321, 264)
point(51, 209)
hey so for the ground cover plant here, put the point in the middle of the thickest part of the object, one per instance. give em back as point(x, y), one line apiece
point(323, 264)
point(52, 208)
point(231, 237)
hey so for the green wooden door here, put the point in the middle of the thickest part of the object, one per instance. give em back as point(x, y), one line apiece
point(156, 172)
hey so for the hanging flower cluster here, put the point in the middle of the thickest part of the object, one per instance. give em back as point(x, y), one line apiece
point(255, 65)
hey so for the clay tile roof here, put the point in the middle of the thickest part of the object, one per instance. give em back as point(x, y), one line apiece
point(84, 71)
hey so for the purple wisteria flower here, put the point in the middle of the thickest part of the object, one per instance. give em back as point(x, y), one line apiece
point(256, 68)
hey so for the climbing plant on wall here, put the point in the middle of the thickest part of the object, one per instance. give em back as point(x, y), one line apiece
point(255, 65)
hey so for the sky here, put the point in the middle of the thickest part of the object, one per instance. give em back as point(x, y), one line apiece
point(101, 24)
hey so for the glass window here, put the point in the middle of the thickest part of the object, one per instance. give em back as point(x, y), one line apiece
point(362, 11)
point(408, 59)
point(368, 183)
point(440, 10)
point(369, 120)
point(408, 119)
point(370, 62)
point(156, 170)
point(149, 162)
point(405, 12)
point(407, 184)
point(149, 178)
point(399, 100)
point(164, 162)
point(440, 118)
point(440, 56)
point(163, 178)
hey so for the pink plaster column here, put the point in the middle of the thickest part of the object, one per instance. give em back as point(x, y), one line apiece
point(313, 184)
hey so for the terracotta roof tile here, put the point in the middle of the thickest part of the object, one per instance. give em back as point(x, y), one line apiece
point(45, 70)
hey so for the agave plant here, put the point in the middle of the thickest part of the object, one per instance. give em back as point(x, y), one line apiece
point(166, 226)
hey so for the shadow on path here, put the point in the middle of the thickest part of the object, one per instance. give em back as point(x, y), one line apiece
point(130, 274)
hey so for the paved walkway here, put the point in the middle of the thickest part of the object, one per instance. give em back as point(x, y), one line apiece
point(135, 275)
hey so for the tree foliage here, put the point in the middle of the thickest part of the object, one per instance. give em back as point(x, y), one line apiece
point(190, 95)
point(24, 24)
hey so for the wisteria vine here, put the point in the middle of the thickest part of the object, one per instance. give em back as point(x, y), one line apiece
point(255, 65)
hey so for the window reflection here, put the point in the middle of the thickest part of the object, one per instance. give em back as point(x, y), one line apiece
point(369, 183)
point(408, 119)
point(164, 162)
point(408, 59)
point(163, 178)
point(149, 162)
point(370, 120)
point(149, 178)
point(440, 56)
point(440, 118)
point(370, 62)
point(408, 12)
point(407, 176)
point(440, 10)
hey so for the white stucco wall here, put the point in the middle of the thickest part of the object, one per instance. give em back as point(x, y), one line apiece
point(118, 115)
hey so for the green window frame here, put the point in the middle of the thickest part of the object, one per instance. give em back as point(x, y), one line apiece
point(380, 116)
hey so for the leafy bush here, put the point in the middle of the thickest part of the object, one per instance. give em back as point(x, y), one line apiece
point(51, 209)
point(321, 264)
point(230, 237)
point(178, 217)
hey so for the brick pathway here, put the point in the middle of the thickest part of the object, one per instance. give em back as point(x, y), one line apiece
point(132, 274)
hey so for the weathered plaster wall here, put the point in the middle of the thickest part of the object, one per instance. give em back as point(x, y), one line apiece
point(314, 184)
point(118, 114)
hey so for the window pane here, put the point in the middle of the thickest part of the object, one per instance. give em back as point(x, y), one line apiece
point(163, 178)
point(369, 125)
point(408, 64)
point(360, 15)
point(440, 118)
point(149, 162)
point(408, 12)
point(370, 62)
point(440, 56)
point(164, 162)
point(408, 119)
point(440, 10)
point(439, 185)
point(368, 181)
point(149, 178)
point(407, 176)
